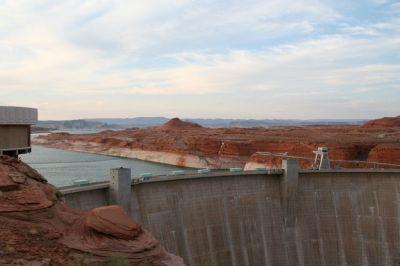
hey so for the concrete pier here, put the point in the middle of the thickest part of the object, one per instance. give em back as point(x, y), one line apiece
point(289, 184)
point(120, 188)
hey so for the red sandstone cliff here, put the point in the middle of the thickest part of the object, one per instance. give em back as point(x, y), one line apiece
point(388, 122)
point(386, 153)
point(37, 229)
point(187, 144)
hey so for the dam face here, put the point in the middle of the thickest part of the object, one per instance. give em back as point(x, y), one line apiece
point(277, 218)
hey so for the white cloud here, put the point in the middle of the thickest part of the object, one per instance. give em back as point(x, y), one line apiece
point(329, 63)
point(96, 49)
point(77, 46)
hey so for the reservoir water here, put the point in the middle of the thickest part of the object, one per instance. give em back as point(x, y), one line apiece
point(61, 167)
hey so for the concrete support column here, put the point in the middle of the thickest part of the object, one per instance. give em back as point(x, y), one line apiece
point(135, 213)
point(289, 190)
point(120, 188)
point(289, 185)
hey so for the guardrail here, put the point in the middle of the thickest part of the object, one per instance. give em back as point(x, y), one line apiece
point(283, 155)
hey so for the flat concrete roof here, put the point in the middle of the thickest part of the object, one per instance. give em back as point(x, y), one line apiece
point(12, 115)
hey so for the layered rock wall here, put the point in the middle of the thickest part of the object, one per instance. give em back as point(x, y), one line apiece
point(185, 144)
point(37, 228)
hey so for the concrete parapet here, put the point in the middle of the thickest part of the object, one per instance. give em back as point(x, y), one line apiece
point(120, 188)
point(87, 197)
point(212, 174)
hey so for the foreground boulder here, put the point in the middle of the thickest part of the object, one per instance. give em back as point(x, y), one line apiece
point(112, 221)
point(36, 228)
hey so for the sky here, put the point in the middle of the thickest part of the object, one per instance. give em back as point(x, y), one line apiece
point(303, 59)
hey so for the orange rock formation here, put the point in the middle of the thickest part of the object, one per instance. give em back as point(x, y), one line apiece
point(386, 153)
point(176, 123)
point(227, 147)
point(113, 221)
point(388, 122)
point(37, 229)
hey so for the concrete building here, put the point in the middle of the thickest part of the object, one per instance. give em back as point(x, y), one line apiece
point(15, 129)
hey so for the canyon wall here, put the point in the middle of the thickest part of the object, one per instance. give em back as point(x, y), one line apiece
point(187, 144)
point(348, 217)
point(385, 122)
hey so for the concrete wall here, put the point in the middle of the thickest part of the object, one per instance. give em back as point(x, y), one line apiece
point(348, 218)
point(10, 115)
point(306, 218)
point(15, 129)
point(14, 136)
point(87, 197)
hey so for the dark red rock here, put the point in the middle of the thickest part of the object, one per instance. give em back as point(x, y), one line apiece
point(113, 221)
point(385, 122)
point(176, 123)
point(34, 226)
point(385, 153)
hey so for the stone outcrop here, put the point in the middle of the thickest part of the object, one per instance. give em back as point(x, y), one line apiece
point(186, 144)
point(386, 153)
point(176, 123)
point(22, 188)
point(113, 221)
point(36, 228)
point(385, 122)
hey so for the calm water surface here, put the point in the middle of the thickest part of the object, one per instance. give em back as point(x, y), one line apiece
point(61, 167)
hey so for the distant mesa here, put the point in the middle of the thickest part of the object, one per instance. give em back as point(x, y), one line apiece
point(383, 122)
point(176, 123)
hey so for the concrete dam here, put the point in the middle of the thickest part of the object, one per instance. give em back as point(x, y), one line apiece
point(285, 216)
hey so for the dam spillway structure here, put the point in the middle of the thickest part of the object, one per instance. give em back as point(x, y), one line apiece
point(287, 216)
point(15, 129)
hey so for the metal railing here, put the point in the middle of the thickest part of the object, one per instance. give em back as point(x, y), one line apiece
point(375, 165)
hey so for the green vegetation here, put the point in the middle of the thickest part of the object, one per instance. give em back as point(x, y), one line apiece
point(117, 261)
point(207, 262)
point(78, 261)
point(57, 196)
point(81, 259)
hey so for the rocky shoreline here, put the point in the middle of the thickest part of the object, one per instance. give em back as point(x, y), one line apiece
point(190, 145)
